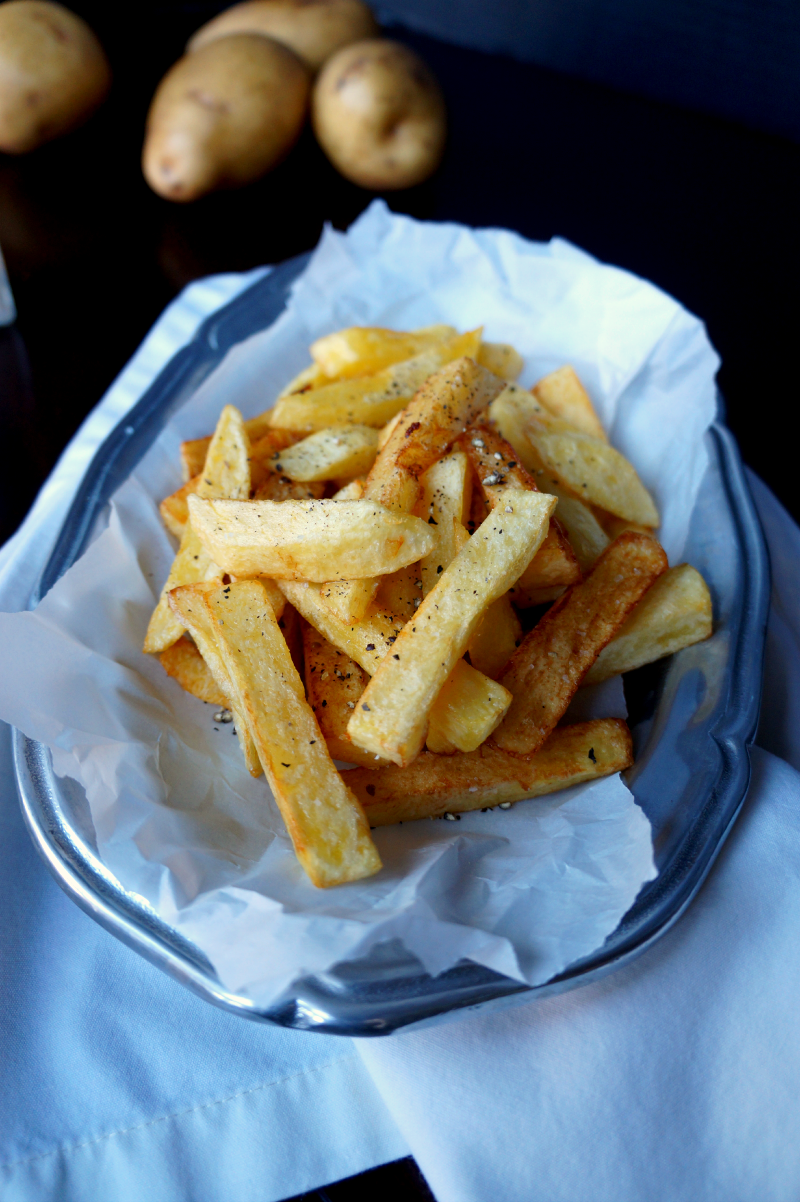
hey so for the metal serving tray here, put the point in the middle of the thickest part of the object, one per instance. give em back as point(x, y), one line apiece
point(693, 718)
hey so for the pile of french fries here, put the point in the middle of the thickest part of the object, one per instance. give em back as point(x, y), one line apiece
point(357, 566)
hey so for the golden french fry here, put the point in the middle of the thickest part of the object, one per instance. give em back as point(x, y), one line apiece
point(308, 540)
point(174, 509)
point(466, 710)
point(401, 592)
point(501, 359)
point(328, 454)
point(674, 613)
point(184, 663)
point(352, 491)
point(323, 817)
point(445, 505)
point(496, 639)
point(547, 668)
point(431, 422)
point(385, 431)
point(362, 351)
point(436, 785)
point(334, 683)
point(225, 473)
point(195, 450)
point(368, 641)
point(310, 377)
point(370, 400)
point(281, 488)
point(498, 469)
point(188, 602)
point(392, 717)
point(614, 526)
point(509, 413)
point(562, 393)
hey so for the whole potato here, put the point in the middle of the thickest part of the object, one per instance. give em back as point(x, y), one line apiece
point(53, 73)
point(379, 115)
point(314, 29)
point(224, 116)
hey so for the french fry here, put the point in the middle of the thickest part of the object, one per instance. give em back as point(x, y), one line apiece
point(184, 663)
point(547, 668)
point(501, 359)
point(584, 465)
point(194, 452)
point(466, 710)
point(323, 817)
point(385, 431)
point(431, 422)
point(392, 717)
point(437, 785)
point(498, 469)
point(401, 592)
point(466, 713)
point(328, 454)
point(334, 683)
point(262, 451)
point(226, 473)
point(562, 393)
point(307, 540)
point(188, 602)
point(352, 491)
point(363, 351)
point(444, 504)
point(174, 509)
point(496, 639)
point(509, 413)
point(369, 400)
point(281, 488)
point(674, 613)
point(310, 377)
point(614, 526)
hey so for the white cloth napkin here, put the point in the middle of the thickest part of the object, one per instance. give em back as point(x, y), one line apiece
point(116, 1083)
point(676, 1078)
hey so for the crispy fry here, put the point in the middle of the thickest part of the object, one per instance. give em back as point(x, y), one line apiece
point(370, 400)
point(281, 488)
point(174, 509)
point(195, 450)
point(674, 613)
point(431, 422)
point(548, 667)
point(466, 710)
point(184, 663)
point(368, 641)
point(385, 431)
point(225, 473)
point(501, 359)
point(509, 413)
point(334, 683)
point(496, 639)
point(323, 817)
point(435, 785)
point(362, 351)
point(392, 716)
point(328, 454)
point(498, 469)
point(562, 393)
point(188, 602)
point(307, 540)
point(444, 504)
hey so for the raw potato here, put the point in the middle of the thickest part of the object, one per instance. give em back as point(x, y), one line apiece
point(379, 115)
point(224, 116)
point(313, 29)
point(53, 73)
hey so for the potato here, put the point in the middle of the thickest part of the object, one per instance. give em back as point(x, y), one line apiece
point(313, 29)
point(224, 116)
point(53, 73)
point(379, 115)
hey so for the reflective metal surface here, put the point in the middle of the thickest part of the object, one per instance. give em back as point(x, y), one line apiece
point(693, 718)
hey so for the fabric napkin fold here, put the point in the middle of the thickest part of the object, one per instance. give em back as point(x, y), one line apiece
point(117, 1083)
point(675, 1078)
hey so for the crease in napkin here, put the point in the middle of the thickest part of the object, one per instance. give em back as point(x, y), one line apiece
point(177, 818)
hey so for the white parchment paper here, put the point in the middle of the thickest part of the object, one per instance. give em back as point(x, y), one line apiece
point(177, 818)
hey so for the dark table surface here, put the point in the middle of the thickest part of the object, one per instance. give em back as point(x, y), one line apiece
point(706, 209)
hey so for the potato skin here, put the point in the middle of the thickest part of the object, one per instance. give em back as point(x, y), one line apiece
point(224, 116)
point(314, 29)
point(379, 115)
point(53, 73)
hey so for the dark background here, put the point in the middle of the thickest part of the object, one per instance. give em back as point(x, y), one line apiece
point(669, 151)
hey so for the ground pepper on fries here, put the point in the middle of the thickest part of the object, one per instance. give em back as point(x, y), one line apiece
point(356, 568)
